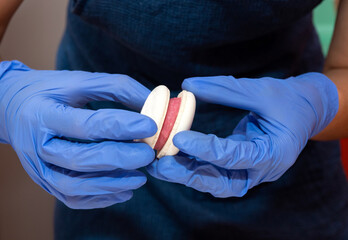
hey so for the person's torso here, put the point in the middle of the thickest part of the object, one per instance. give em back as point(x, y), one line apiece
point(163, 42)
point(167, 41)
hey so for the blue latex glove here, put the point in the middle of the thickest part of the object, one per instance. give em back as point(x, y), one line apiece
point(39, 111)
point(284, 114)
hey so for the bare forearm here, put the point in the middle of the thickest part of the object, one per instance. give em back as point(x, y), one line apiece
point(2, 32)
point(7, 9)
point(338, 128)
point(336, 68)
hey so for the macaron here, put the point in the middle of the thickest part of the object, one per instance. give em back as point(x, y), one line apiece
point(172, 115)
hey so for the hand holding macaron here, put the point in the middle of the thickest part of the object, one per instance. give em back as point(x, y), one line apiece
point(85, 158)
point(284, 115)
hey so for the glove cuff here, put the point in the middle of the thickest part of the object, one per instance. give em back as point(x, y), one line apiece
point(325, 97)
point(5, 85)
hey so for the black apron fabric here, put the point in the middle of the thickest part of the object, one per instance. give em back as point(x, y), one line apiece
point(164, 42)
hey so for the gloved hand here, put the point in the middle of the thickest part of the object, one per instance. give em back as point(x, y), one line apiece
point(39, 112)
point(284, 114)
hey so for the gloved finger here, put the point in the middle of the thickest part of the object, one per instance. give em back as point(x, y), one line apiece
point(72, 183)
point(95, 201)
point(228, 91)
point(107, 87)
point(203, 177)
point(92, 157)
point(80, 201)
point(225, 153)
point(114, 124)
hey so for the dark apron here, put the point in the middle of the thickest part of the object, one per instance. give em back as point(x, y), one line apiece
point(163, 42)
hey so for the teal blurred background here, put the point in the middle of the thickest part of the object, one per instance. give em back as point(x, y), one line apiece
point(324, 20)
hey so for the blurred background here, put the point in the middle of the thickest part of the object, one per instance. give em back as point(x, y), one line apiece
point(26, 211)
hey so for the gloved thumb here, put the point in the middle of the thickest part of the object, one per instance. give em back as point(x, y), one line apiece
point(240, 93)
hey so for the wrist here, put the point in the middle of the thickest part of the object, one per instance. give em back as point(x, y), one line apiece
point(324, 96)
point(4, 66)
point(338, 127)
point(8, 89)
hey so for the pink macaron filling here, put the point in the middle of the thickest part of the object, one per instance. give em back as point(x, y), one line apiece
point(169, 121)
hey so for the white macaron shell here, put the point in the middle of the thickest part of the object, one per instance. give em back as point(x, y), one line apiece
point(183, 122)
point(155, 107)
